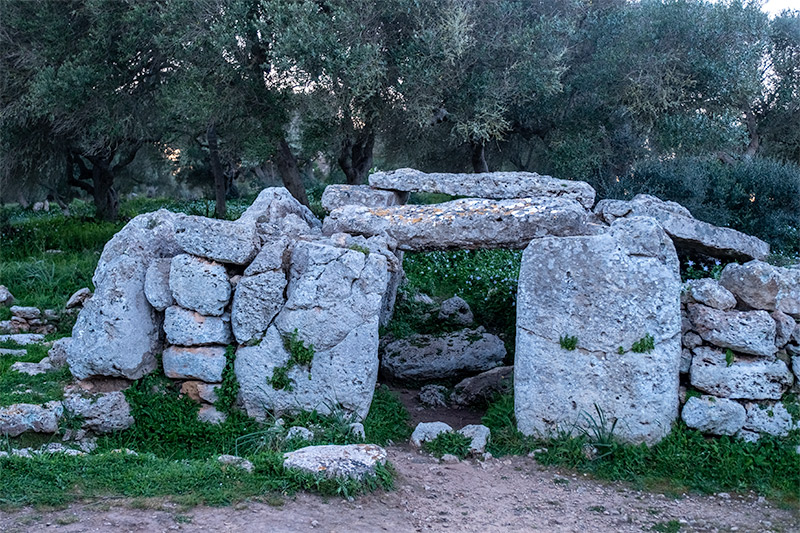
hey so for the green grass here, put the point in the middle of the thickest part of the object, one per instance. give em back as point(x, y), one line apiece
point(16, 387)
point(568, 343)
point(388, 420)
point(448, 443)
point(684, 460)
point(644, 345)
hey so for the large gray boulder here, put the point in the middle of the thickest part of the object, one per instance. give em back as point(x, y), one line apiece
point(495, 185)
point(769, 417)
point(718, 416)
point(101, 412)
point(205, 363)
point(427, 357)
point(218, 240)
point(256, 301)
point(349, 461)
point(428, 431)
point(463, 224)
point(750, 332)
point(340, 195)
point(118, 332)
point(190, 328)
point(759, 285)
point(687, 232)
point(483, 387)
point(333, 302)
point(21, 417)
point(754, 379)
point(572, 287)
point(199, 285)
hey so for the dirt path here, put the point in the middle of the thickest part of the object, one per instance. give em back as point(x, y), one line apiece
point(507, 495)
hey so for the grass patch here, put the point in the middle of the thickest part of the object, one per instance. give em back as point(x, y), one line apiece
point(568, 343)
point(388, 420)
point(448, 442)
point(644, 345)
point(684, 460)
point(300, 354)
point(16, 387)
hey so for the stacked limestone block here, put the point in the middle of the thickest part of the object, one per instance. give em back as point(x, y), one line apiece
point(740, 338)
point(193, 288)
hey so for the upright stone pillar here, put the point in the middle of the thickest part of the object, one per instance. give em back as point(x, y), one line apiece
point(598, 327)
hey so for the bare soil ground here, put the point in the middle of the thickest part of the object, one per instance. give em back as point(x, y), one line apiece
point(498, 495)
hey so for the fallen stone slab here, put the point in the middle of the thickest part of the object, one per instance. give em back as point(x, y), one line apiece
point(494, 185)
point(583, 303)
point(351, 461)
point(427, 431)
point(759, 285)
point(426, 357)
point(205, 363)
point(482, 388)
point(21, 417)
point(224, 241)
point(340, 195)
point(749, 332)
point(23, 339)
point(687, 232)
point(758, 379)
point(118, 333)
point(190, 328)
point(12, 352)
point(717, 416)
point(199, 285)
point(28, 313)
point(463, 224)
point(32, 369)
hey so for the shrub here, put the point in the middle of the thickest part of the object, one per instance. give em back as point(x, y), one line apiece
point(449, 442)
point(568, 342)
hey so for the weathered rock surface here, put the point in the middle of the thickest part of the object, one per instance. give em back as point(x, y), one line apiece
point(750, 332)
point(211, 415)
point(57, 355)
point(686, 361)
point(256, 301)
point(334, 299)
point(32, 369)
point(102, 412)
point(276, 210)
point(784, 327)
point(759, 285)
point(758, 379)
point(427, 431)
point(572, 287)
point(6, 298)
point(687, 232)
point(204, 363)
point(218, 240)
point(691, 340)
point(351, 461)
point(156, 284)
point(709, 292)
point(463, 224)
point(718, 416)
point(340, 195)
point(21, 417)
point(23, 338)
point(771, 418)
point(28, 313)
point(427, 357)
point(78, 298)
point(190, 328)
point(299, 432)
point(456, 311)
point(238, 462)
point(118, 332)
point(483, 387)
point(433, 395)
point(496, 185)
point(200, 391)
point(480, 436)
point(274, 255)
point(199, 285)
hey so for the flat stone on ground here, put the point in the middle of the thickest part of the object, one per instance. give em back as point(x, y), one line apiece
point(349, 461)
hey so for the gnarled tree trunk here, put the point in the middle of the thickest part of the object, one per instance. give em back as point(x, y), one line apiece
point(478, 157)
point(290, 173)
point(220, 207)
point(355, 158)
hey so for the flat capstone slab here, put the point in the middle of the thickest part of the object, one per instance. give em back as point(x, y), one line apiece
point(493, 185)
point(463, 224)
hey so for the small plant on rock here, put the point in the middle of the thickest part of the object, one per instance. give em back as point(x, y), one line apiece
point(568, 343)
point(300, 354)
point(644, 345)
point(729, 357)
